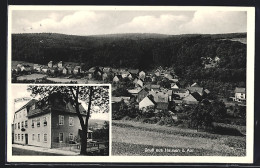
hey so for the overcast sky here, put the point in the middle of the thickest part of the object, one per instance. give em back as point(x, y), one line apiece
point(90, 22)
point(20, 91)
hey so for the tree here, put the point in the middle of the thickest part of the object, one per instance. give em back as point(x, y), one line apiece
point(91, 95)
point(200, 116)
point(219, 110)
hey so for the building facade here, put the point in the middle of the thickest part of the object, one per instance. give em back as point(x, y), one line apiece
point(47, 123)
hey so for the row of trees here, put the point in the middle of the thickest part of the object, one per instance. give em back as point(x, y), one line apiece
point(200, 116)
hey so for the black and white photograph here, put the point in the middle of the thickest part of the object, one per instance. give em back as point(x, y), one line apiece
point(51, 120)
point(181, 77)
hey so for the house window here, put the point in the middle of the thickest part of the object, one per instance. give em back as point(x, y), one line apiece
point(71, 121)
point(15, 126)
point(18, 137)
point(15, 136)
point(71, 137)
point(39, 136)
point(22, 137)
point(19, 115)
point(44, 121)
point(18, 125)
point(45, 137)
point(60, 137)
point(61, 120)
point(32, 123)
point(22, 124)
point(33, 137)
point(38, 122)
point(26, 124)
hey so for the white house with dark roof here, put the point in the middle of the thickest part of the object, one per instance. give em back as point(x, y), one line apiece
point(77, 70)
point(240, 94)
point(60, 64)
point(50, 64)
point(146, 102)
point(141, 75)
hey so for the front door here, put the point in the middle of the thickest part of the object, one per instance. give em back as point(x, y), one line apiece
point(26, 139)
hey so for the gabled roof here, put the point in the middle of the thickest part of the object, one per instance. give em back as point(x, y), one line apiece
point(139, 82)
point(196, 89)
point(92, 69)
point(77, 67)
point(68, 108)
point(189, 99)
point(240, 90)
point(146, 102)
point(174, 80)
point(195, 85)
point(197, 96)
point(133, 71)
point(30, 103)
point(134, 91)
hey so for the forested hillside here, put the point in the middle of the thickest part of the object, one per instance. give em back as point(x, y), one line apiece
point(143, 51)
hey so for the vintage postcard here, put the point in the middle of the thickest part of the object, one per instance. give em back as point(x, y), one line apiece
point(181, 81)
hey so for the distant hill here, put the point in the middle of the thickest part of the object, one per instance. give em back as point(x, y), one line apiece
point(124, 50)
point(93, 121)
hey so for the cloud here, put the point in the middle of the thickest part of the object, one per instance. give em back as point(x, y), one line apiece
point(165, 23)
point(81, 22)
point(102, 22)
point(216, 22)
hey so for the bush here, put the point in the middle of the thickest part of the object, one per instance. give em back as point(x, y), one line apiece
point(152, 120)
point(226, 130)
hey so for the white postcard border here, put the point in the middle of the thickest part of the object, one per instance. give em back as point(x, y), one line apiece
point(151, 159)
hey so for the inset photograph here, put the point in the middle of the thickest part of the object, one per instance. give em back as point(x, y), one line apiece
point(60, 120)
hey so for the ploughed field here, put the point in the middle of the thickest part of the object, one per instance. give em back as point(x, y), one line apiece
point(135, 138)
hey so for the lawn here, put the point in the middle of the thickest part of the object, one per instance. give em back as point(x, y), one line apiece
point(134, 138)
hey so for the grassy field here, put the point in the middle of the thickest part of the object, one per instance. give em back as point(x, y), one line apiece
point(31, 77)
point(80, 81)
point(134, 138)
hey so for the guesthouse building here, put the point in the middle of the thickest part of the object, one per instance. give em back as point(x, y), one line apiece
point(47, 123)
